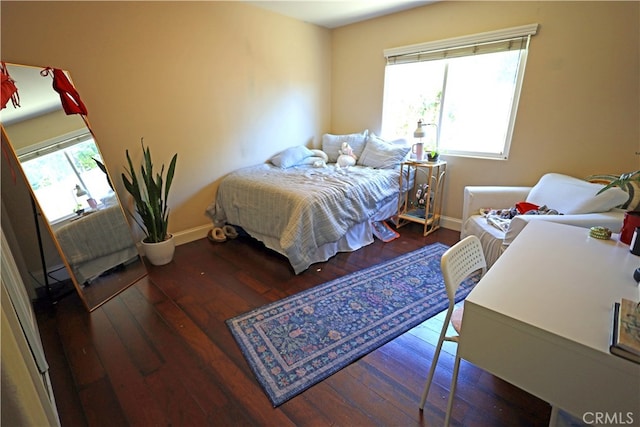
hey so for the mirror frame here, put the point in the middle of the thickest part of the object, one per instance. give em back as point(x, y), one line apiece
point(102, 288)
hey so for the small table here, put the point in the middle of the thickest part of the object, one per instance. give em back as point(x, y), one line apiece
point(542, 316)
point(428, 177)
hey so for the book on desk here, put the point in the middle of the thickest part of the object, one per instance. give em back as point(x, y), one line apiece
point(626, 330)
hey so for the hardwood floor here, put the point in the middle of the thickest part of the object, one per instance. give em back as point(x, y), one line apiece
point(161, 354)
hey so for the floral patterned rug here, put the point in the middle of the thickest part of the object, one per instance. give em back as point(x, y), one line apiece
point(298, 341)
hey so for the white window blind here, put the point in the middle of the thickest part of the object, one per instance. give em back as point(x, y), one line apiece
point(492, 41)
point(53, 145)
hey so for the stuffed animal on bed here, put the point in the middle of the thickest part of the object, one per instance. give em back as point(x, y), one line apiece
point(346, 157)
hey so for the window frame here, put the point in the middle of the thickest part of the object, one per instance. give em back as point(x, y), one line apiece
point(467, 46)
point(60, 144)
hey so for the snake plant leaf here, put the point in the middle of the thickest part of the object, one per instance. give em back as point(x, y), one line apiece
point(622, 181)
point(150, 194)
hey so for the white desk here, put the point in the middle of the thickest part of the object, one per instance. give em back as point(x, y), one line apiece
point(541, 319)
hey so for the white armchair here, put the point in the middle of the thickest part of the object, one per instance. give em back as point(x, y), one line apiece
point(575, 199)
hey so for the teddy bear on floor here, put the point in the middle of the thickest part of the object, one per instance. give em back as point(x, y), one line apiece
point(346, 157)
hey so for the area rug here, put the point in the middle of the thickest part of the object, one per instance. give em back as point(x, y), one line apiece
point(299, 341)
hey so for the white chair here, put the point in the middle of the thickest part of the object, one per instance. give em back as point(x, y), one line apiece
point(457, 263)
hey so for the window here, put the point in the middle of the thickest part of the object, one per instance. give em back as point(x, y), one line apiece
point(57, 170)
point(468, 87)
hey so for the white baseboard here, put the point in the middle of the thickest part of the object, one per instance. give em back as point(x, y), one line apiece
point(451, 223)
point(192, 234)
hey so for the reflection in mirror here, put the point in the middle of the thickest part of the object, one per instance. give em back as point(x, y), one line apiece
point(61, 164)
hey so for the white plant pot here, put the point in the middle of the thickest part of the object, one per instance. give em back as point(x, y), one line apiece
point(160, 253)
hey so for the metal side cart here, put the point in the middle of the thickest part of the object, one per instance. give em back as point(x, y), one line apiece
point(421, 202)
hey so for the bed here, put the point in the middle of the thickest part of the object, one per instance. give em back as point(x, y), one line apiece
point(311, 209)
point(94, 243)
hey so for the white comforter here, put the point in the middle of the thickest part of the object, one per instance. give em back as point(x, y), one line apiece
point(302, 207)
point(96, 242)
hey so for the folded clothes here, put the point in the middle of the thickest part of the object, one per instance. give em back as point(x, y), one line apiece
point(520, 208)
point(501, 218)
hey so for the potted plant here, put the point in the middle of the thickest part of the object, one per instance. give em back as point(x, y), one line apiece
point(433, 155)
point(632, 217)
point(622, 180)
point(150, 195)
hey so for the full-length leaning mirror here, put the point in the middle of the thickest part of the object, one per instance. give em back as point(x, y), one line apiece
point(60, 161)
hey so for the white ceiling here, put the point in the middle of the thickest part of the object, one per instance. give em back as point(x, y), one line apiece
point(336, 13)
point(36, 94)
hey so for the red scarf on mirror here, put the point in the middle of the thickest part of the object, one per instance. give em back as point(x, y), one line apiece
point(9, 89)
point(71, 102)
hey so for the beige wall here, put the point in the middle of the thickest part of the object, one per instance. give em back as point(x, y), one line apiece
point(226, 84)
point(579, 109)
point(223, 84)
point(42, 128)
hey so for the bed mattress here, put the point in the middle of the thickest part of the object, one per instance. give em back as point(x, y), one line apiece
point(307, 213)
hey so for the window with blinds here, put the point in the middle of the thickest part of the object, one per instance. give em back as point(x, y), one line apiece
point(468, 87)
point(65, 176)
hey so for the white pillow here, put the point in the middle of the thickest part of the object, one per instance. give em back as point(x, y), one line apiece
point(569, 195)
point(291, 156)
point(331, 144)
point(381, 154)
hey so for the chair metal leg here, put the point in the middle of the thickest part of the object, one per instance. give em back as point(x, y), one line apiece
point(432, 370)
point(452, 392)
point(434, 362)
